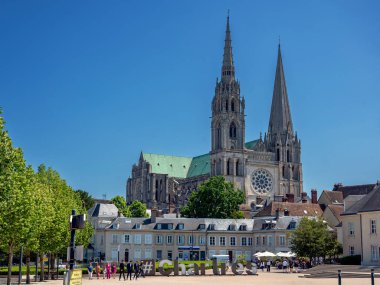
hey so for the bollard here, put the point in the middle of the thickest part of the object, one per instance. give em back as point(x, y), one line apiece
point(339, 277)
point(372, 276)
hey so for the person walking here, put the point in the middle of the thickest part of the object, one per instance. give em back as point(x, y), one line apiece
point(97, 270)
point(141, 271)
point(129, 270)
point(285, 265)
point(262, 265)
point(113, 270)
point(108, 270)
point(136, 270)
point(122, 269)
point(268, 265)
point(90, 269)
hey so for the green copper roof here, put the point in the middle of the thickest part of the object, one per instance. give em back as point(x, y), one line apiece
point(174, 166)
point(199, 165)
point(183, 167)
point(251, 144)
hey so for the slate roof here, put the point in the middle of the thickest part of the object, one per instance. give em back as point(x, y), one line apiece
point(103, 210)
point(181, 166)
point(337, 210)
point(334, 197)
point(295, 209)
point(355, 189)
point(369, 203)
point(190, 224)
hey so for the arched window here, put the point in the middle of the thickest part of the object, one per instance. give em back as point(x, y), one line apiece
point(228, 167)
point(283, 171)
point(232, 130)
point(288, 156)
point(278, 154)
point(233, 106)
point(227, 105)
point(237, 168)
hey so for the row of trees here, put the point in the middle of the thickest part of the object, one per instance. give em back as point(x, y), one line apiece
point(34, 207)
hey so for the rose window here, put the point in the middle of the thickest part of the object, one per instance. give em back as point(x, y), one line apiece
point(262, 181)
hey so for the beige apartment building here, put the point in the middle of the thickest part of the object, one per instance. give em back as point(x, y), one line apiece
point(360, 224)
point(188, 238)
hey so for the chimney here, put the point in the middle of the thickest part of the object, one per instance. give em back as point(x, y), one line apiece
point(153, 215)
point(277, 214)
point(314, 196)
point(303, 197)
point(284, 199)
point(290, 197)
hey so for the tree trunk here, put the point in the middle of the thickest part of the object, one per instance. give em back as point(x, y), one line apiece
point(10, 260)
point(42, 277)
point(28, 267)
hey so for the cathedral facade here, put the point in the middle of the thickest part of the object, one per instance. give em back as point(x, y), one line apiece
point(266, 169)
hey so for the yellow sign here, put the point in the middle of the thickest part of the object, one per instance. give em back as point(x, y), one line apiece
point(76, 277)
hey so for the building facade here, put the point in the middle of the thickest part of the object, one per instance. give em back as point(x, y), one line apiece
point(265, 169)
point(192, 239)
point(360, 228)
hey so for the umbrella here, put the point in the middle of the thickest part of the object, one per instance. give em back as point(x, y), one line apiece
point(265, 253)
point(286, 254)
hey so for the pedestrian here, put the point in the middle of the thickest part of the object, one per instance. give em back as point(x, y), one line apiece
point(129, 270)
point(97, 270)
point(290, 266)
point(136, 270)
point(113, 270)
point(122, 269)
point(285, 265)
point(268, 265)
point(262, 265)
point(141, 271)
point(90, 269)
point(108, 270)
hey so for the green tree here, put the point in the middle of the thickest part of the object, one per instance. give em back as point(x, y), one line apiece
point(137, 210)
point(87, 200)
point(311, 238)
point(17, 202)
point(121, 205)
point(215, 198)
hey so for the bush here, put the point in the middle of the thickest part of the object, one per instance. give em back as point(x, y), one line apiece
point(351, 260)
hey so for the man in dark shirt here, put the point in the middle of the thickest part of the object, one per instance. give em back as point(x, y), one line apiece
point(129, 270)
point(122, 269)
point(136, 270)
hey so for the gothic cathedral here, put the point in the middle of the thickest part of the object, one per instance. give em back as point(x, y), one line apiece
point(266, 169)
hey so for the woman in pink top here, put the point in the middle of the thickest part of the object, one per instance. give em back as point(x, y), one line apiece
point(108, 270)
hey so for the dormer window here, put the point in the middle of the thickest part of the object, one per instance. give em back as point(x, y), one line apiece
point(243, 227)
point(292, 225)
point(211, 227)
point(231, 227)
point(201, 227)
point(180, 227)
point(138, 226)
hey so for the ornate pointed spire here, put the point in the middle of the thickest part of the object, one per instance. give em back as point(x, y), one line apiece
point(228, 69)
point(280, 121)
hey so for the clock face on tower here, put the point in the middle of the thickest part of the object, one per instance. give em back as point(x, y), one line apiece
point(262, 181)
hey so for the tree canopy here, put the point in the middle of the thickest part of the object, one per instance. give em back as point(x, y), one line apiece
point(34, 207)
point(215, 198)
point(136, 209)
point(312, 238)
point(87, 200)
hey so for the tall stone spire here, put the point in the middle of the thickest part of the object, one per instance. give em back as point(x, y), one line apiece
point(228, 69)
point(280, 121)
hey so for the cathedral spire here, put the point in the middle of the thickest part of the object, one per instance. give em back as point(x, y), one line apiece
point(280, 118)
point(228, 69)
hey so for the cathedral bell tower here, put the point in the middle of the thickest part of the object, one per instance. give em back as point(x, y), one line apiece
point(281, 139)
point(227, 123)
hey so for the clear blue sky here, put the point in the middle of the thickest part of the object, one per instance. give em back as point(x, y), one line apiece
point(86, 85)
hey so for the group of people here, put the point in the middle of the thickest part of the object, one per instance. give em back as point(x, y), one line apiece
point(108, 270)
